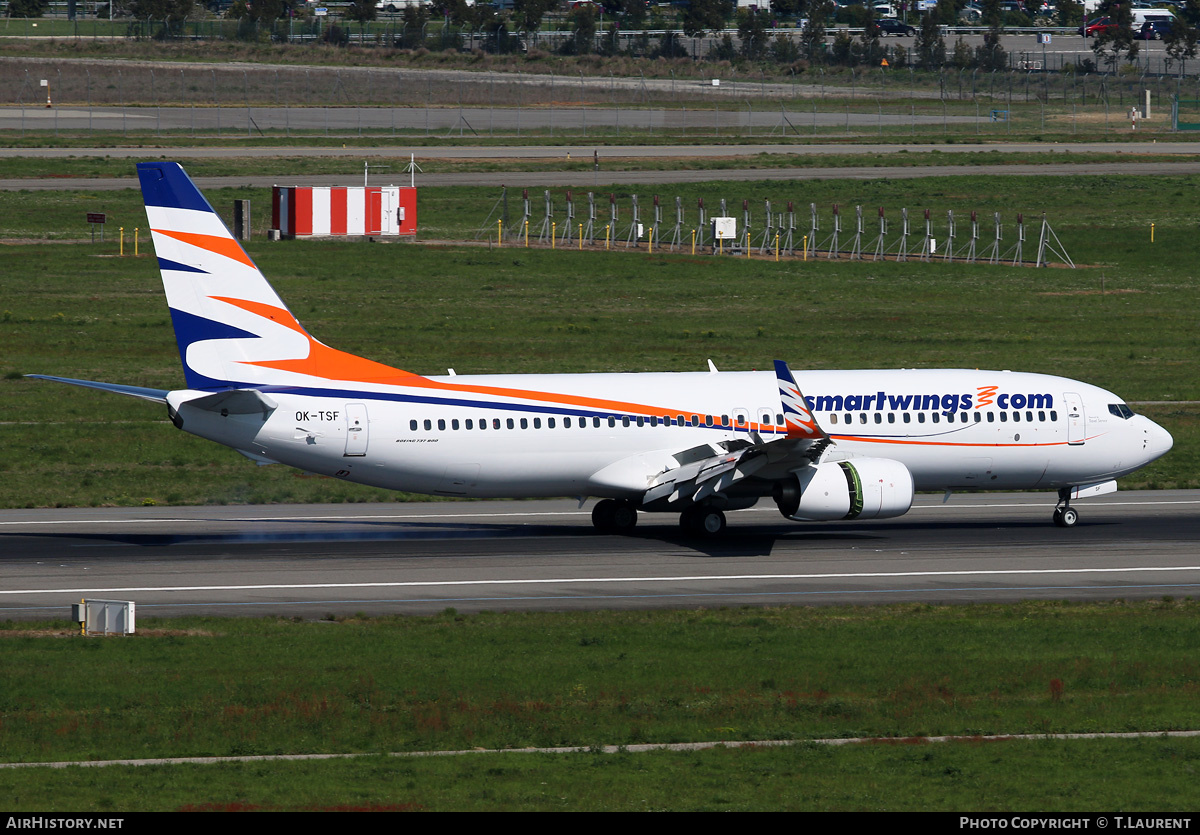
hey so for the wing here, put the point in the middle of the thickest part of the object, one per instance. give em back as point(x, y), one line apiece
point(706, 470)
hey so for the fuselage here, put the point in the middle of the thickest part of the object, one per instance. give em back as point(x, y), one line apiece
point(608, 434)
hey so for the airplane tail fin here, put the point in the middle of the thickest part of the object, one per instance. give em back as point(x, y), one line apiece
point(232, 328)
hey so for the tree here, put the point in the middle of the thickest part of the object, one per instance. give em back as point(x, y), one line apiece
point(752, 32)
point(528, 14)
point(27, 8)
point(583, 21)
point(929, 46)
point(1111, 43)
point(362, 11)
point(869, 49)
point(704, 15)
point(813, 36)
point(173, 11)
point(1069, 13)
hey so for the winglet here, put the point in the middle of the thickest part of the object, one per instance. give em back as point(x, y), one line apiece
point(797, 417)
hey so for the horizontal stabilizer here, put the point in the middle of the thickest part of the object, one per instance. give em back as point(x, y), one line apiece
point(153, 395)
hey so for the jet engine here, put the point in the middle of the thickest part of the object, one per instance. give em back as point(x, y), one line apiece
point(863, 488)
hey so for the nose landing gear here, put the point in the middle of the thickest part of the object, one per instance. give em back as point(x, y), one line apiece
point(1065, 516)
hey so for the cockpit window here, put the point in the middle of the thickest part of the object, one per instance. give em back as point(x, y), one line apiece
point(1120, 410)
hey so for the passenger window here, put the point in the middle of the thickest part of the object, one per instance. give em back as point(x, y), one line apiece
point(1053, 415)
point(524, 423)
point(428, 424)
point(962, 417)
point(1016, 417)
point(596, 422)
point(550, 423)
point(991, 417)
point(496, 423)
point(470, 424)
point(878, 418)
point(891, 417)
point(1042, 417)
point(641, 421)
point(779, 420)
point(978, 417)
point(937, 418)
point(920, 417)
point(1004, 417)
point(862, 417)
point(833, 419)
point(708, 420)
point(1029, 417)
point(907, 417)
point(454, 424)
point(441, 425)
point(566, 423)
point(695, 420)
point(412, 425)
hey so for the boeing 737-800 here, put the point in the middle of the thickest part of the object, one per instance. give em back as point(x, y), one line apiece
point(853, 445)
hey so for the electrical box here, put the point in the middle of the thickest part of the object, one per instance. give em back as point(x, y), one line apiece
point(724, 228)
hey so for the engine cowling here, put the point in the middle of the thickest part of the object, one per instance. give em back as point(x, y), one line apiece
point(863, 488)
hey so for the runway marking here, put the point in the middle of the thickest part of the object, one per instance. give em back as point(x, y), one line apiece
point(519, 515)
point(576, 580)
point(637, 748)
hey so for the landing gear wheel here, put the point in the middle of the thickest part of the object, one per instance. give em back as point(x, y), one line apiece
point(1066, 517)
point(702, 521)
point(612, 516)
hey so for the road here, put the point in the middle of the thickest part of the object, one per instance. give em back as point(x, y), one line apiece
point(311, 561)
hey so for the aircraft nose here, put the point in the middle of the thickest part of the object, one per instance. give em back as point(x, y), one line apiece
point(1158, 440)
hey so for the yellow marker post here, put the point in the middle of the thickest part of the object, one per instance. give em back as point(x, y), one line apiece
point(527, 234)
point(1151, 233)
point(650, 242)
point(607, 228)
point(499, 233)
point(135, 241)
point(553, 232)
point(806, 247)
point(581, 237)
point(776, 246)
point(122, 241)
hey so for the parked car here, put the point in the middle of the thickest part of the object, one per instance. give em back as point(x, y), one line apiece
point(892, 26)
point(1096, 27)
point(1154, 30)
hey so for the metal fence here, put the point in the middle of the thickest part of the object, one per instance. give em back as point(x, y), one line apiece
point(141, 98)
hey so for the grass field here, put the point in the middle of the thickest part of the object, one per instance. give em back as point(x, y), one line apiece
point(215, 687)
point(1125, 320)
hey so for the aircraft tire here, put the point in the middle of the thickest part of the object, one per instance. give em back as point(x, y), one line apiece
point(702, 521)
point(604, 515)
point(1066, 517)
point(624, 517)
point(612, 516)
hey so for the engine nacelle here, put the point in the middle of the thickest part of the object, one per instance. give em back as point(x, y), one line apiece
point(862, 488)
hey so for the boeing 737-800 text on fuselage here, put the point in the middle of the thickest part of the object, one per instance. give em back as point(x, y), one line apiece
point(854, 445)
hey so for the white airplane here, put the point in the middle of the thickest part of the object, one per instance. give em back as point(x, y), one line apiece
point(698, 444)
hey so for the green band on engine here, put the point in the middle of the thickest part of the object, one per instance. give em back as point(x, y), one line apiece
point(854, 486)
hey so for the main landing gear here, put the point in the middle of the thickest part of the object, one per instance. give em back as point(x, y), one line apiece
point(613, 516)
point(700, 520)
point(620, 516)
point(1065, 516)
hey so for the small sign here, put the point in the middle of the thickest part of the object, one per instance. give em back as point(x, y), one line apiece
point(1044, 38)
point(321, 12)
point(97, 217)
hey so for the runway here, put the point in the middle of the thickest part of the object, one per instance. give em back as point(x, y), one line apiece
point(314, 561)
